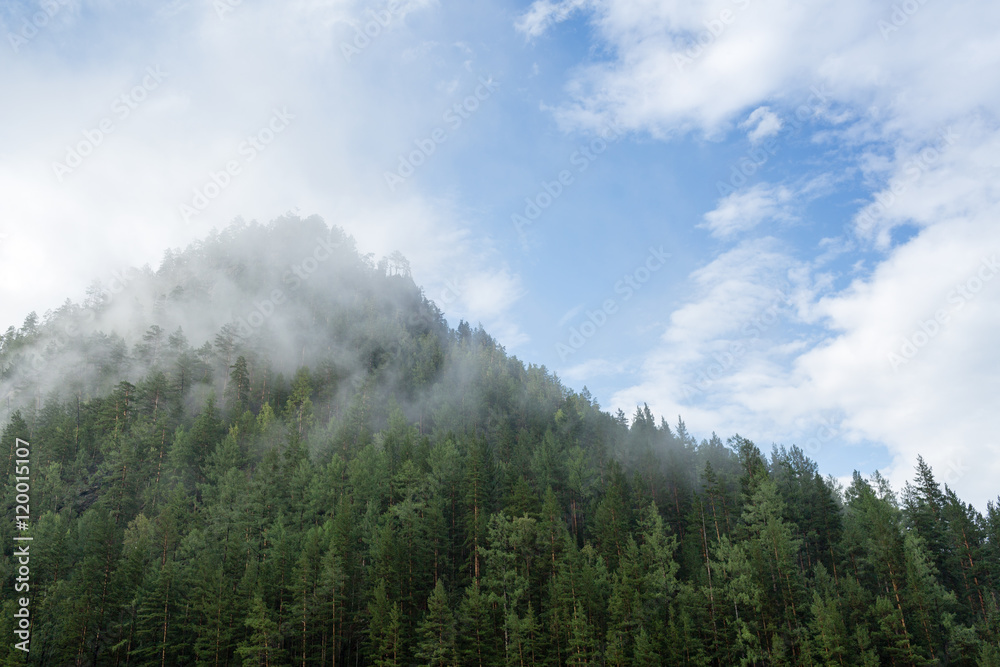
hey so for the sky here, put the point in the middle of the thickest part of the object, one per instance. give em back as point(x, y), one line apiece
point(768, 218)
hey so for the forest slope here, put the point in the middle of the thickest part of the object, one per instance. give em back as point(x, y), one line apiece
point(273, 450)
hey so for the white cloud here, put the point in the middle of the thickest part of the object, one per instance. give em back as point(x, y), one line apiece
point(937, 402)
point(545, 13)
point(743, 210)
point(591, 369)
point(949, 174)
point(679, 66)
point(883, 84)
point(224, 79)
point(570, 314)
point(761, 124)
point(903, 357)
point(738, 299)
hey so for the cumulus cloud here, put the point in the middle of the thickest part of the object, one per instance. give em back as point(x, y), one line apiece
point(881, 89)
point(591, 369)
point(678, 66)
point(203, 138)
point(743, 210)
point(903, 357)
point(761, 124)
point(545, 13)
point(736, 303)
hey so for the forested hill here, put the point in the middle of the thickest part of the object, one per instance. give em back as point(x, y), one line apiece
point(274, 451)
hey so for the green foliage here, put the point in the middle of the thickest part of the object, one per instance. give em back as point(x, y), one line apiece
point(436, 633)
point(414, 495)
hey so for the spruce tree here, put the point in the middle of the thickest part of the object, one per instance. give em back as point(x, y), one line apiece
point(436, 632)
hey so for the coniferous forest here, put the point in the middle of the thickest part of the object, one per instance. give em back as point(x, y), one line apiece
point(273, 450)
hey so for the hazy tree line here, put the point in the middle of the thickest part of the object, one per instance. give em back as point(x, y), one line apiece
point(354, 483)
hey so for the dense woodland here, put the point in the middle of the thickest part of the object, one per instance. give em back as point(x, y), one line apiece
point(354, 483)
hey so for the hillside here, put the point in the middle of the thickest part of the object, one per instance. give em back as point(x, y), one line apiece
point(273, 450)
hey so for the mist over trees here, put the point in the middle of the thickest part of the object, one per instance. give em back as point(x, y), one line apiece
point(273, 450)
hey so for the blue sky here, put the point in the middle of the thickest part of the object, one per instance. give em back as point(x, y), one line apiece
point(821, 176)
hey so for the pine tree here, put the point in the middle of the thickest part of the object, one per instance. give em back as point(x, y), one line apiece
point(168, 531)
point(829, 633)
point(476, 637)
point(580, 650)
point(333, 582)
point(923, 511)
point(645, 654)
point(261, 647)
point(306, 578)
point(299, 406)
point(238, 397)
point(612, 520)
point(385, 628)
point(436, 647)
